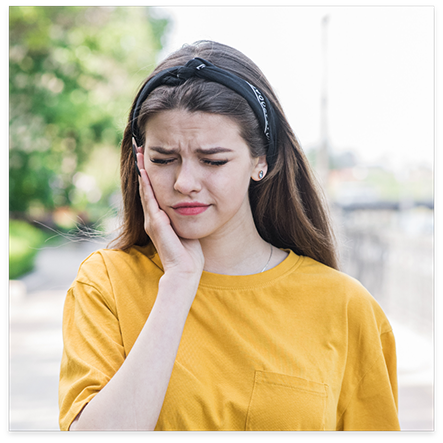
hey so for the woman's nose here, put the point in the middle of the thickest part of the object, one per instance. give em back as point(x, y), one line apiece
point(187, 180)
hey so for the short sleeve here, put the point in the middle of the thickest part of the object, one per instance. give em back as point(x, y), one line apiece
point(373, 404)
point(92, 343)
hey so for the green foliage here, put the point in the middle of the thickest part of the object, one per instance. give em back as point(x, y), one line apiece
point(73, 72)
point(24, 241)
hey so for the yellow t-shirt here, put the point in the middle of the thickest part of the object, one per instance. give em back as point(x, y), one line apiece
point(298, 347)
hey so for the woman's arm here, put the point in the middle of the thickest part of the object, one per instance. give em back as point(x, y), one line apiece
point(133, 398)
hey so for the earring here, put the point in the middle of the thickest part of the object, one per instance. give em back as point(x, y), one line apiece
point(261, 174)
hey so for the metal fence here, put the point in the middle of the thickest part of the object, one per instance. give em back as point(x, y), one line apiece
point(390, 251)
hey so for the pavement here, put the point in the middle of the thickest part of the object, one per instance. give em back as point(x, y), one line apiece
point(35, 338)
point(35, 347)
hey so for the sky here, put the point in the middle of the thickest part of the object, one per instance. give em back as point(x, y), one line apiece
point(378, 70)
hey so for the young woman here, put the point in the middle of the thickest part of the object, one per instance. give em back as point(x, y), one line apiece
point(221, 306)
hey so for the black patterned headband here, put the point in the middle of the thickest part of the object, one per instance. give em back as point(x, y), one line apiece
point(197, 67)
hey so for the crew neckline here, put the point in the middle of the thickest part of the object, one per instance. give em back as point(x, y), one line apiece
point(223, 281)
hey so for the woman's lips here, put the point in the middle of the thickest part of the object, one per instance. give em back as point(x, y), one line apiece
point(194, 208)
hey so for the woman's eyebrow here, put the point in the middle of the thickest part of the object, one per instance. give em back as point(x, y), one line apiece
point(208, 151)
point(161, 150)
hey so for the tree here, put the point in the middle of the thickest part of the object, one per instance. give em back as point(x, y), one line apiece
point(73, 73)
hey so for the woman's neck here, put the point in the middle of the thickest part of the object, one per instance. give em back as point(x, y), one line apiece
point(240, 251)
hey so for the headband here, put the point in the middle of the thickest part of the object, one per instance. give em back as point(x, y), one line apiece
point(198, 67)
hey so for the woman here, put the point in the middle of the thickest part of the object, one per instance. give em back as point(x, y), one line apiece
point(221, 306)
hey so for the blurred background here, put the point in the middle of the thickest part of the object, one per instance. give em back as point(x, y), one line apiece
point(357, 85)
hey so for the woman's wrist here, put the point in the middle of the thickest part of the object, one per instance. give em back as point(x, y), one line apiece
point(178, 286)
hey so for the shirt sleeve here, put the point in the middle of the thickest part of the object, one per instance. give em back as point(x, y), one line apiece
point(373, 404)
point(93, 350)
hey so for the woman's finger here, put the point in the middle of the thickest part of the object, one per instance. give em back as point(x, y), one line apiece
point(147, 194)
point(140, 159)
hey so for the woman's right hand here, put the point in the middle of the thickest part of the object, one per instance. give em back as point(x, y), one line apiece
point(178, 255)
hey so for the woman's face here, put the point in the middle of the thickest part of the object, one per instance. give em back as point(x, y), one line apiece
point(200, 168)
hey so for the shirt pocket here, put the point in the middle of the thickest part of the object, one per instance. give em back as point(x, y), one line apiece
point(286, 403)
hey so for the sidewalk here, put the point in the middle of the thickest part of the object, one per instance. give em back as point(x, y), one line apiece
point(36, 305)
point(415, 369)
point(35, 311)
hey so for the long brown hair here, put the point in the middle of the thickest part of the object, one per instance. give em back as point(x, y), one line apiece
point(288, 206)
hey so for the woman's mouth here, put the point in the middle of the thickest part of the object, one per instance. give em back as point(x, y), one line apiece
point(191, 208)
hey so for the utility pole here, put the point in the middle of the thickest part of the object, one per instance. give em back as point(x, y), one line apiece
point(323, 152)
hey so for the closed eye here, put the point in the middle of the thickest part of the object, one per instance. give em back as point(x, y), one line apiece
point(165, 161)
point(162, 161)
point(215, 162)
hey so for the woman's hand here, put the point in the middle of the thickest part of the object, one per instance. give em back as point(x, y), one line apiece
point(178, 255)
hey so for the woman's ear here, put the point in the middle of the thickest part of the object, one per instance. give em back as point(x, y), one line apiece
point(260, 168)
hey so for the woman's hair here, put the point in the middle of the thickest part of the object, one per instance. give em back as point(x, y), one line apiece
point(287, 205)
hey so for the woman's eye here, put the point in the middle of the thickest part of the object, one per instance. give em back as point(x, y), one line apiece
point(162, 161)
point(165, 161)
point(215, 162)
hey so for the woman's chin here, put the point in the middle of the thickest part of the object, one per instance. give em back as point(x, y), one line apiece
point(190, 234)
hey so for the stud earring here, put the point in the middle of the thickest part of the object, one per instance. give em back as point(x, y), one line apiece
point(261, 174)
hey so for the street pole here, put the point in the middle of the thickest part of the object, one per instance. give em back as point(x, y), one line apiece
point(323, 152)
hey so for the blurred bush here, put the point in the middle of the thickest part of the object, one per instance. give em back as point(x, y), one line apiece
point(73, 72)
point(24, 243)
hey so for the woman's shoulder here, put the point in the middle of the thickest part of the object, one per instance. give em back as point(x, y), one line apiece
point(106, 263)
point(345, 292)
point(322, 273)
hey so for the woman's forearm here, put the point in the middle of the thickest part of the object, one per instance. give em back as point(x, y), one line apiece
point(133, 398)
